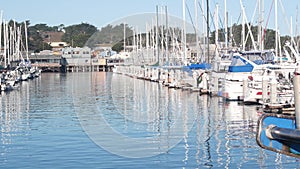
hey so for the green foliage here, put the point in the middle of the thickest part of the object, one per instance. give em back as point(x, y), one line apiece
point(110, 35)
point(75, 34)
point(268, 36)
point(118, 47)
point(44, 27)
point(78, 35)
point(86, 34)
point(35, 41)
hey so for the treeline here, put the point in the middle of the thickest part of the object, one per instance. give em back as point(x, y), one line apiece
point(235, 39)
point(85, 34)
point(75, 35)
point(78, 35)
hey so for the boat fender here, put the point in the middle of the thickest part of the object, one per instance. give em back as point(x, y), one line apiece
point(199, 79)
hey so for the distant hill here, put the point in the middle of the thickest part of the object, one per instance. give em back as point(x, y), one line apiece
point(85, 34)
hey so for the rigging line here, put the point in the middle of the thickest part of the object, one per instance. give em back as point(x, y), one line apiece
point(193, 23)
point(265, 28)
point(205, 18)
point(248, 33)
point(202, 11)
point(238, 20)
point(222, 29)
point(252, 18)
point(232, 26)
point(190, 16)
point(286, 20)
point(212, 20)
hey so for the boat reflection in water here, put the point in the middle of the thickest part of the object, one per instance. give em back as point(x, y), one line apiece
point(106, 120)
point(143, 119)
point(225, 133)
point(14, 117)
point(134, 119)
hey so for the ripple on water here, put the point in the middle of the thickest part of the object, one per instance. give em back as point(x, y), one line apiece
point(40, 127)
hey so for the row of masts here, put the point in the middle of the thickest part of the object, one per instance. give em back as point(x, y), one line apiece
point(158, 34)
point(12, 43)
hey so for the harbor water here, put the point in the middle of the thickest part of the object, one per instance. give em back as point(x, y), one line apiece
point(107, 120)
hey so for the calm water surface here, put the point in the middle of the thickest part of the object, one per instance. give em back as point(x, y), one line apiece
point(106, 120)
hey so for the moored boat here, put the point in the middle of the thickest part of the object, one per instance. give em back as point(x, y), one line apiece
point(242, 66)
point(279, 132)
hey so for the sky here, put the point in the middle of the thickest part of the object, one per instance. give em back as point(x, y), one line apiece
point(102, 12)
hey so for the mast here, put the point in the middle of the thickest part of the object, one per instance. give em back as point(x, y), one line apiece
point(1, 32)
point(184, 33)
point(203, 31)
point(152, 42)
point(296, 31)
point(6, 49)
point(141, 46)
point(152, 54)
point(18, 50)
point(167, 34)
point(217, 28)
point(162, 36)
point(260, 31)
point(134, 45)
point(226, 25)
point(156, 36)
point(147, 43)
point(291, 30)
point(207, 31)
point(124, 37)
point(26, 41)
point(11, 47)
point(12, 57)
point(279, 44)
point(243, 29)
point(196, 31)
point(231, 41)
point(276, 31)
point(262, 21)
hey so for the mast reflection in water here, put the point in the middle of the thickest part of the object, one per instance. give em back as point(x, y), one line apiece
point(14, 117)
point(106, 120)
point(142, 119)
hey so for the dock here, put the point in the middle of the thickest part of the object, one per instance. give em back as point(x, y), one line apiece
point(57, 63)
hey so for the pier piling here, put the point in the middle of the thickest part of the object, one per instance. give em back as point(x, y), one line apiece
point(296, 82)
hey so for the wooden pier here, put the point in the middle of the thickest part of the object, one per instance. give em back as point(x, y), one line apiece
point(54, 63)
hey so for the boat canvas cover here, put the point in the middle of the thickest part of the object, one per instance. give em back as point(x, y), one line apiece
point(240, 64)
point(200, 66)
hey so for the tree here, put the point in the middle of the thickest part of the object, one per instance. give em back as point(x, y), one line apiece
point(35, 39)
point(77, 35)
point(110, 35)
point(118, 47)
point(268, 36)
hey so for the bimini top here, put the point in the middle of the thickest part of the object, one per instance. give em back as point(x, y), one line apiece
point(250, 60)
point(241, 64)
